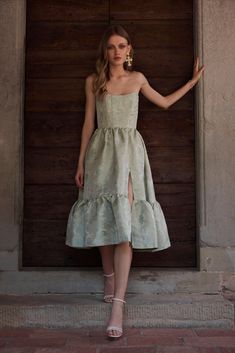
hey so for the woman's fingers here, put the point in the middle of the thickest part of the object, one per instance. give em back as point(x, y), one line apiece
point(196, 71)
point(200, 71)
point(79, 177)
point(196, 65)
point(79, 180)
point(82, 181)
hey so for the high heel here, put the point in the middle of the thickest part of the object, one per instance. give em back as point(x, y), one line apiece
point(116, 328)
point(108, 297)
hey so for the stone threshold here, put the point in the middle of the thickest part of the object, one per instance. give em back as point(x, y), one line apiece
point(176, 310)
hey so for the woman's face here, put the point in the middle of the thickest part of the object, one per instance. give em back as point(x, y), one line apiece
point(117, 50)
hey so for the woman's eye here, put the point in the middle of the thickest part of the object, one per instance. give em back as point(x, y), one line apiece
point(121, 46)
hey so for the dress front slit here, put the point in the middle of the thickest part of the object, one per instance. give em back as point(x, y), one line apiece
point(130, 182)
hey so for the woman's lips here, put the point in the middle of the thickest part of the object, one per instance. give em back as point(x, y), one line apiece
point(117, 57)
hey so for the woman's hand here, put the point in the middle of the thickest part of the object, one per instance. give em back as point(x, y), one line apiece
point(196, 71)
point(79, 177)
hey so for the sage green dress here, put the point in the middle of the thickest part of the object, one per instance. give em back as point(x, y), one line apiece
point(102, 214)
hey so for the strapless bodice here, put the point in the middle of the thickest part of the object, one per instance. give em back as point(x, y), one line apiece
point(118, 110)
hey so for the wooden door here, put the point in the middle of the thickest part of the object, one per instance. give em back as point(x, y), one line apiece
point(61, 43)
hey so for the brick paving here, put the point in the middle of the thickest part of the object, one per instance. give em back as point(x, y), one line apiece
point(135, 340)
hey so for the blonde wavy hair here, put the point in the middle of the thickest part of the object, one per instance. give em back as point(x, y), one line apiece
point(102, 63)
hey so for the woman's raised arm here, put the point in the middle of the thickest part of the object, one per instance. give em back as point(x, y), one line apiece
point(166, 101)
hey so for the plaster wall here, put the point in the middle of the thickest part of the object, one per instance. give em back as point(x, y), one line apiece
point(217, 135)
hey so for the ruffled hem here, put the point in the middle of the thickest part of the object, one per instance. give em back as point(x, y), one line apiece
point(109, 219)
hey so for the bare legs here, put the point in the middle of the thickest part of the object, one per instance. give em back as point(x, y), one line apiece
point(117, 258)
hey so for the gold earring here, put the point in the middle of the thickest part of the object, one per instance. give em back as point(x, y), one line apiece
point(128, 59)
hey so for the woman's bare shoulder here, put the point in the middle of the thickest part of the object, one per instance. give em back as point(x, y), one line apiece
point(90, 78)
point(139, 76)
point(89, 84)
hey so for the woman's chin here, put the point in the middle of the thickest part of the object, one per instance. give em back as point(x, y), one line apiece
point(116, 63)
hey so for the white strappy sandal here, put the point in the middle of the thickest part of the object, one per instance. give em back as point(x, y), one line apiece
point(116, 328)
point(108, 297)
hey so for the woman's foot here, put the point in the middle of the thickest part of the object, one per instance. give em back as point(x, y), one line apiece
point(109, 287)
point(114, 329)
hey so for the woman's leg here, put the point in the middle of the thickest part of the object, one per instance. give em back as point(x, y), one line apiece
point(122, 262)
point(107, 256)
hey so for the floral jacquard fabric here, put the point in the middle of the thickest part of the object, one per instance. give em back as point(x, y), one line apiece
point(102, 214)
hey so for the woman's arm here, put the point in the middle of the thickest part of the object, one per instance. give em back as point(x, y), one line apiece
point(166, 101)
point(89, 121)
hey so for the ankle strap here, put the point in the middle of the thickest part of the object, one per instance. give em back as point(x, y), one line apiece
point(109, 275)
point(120, 300)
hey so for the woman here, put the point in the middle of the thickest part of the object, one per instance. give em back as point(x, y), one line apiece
point(116, 209)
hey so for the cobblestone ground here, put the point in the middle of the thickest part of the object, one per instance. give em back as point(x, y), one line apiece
point(147, 340)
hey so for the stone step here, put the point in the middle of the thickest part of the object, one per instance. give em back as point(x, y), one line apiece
point(142, 310)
